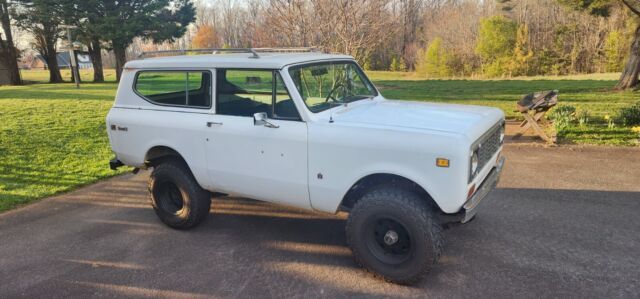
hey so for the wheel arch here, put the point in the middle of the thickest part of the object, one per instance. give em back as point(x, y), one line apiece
point(367, 182)
point(158, 153)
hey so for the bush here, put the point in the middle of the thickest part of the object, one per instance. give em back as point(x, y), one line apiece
point(563, 117)
point(630, 116)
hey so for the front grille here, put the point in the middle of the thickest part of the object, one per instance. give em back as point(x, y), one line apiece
point(488, 145)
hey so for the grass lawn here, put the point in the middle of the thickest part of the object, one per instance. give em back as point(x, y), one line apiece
point(53, 137)
point(592, 93)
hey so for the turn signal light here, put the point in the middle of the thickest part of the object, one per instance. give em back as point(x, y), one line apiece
point(442, 162)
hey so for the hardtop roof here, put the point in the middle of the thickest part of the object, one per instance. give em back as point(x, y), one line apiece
point(234, 60)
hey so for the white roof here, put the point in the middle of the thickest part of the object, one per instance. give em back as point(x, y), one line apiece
point(233, 60)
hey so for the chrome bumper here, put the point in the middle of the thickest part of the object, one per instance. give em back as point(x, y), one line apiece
point(490, 182)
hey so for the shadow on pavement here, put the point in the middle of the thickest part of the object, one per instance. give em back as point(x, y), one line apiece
point(106, 241)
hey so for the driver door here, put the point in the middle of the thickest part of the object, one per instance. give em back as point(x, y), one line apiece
point(264, 162)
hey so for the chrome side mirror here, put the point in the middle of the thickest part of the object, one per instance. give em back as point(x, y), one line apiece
point(261, 119)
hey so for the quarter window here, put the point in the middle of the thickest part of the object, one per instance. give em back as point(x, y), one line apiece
point(175, 88)
point(246, 92)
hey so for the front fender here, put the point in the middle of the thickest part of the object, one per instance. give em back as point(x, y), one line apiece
point(338, 161)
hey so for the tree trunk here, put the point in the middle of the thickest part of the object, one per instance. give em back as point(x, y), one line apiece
point(120, 52)
point(8, 48)
point(51, 58)
point(629, 78)
point(95, 51)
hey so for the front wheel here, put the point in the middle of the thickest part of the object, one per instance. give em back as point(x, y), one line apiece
point(394, 234)
point(176, 196)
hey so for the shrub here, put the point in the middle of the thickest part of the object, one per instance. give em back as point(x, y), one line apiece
point(630, 116)
point(563, 117)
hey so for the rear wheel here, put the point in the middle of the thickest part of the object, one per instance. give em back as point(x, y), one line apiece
point(176, 196)
point(394, 234)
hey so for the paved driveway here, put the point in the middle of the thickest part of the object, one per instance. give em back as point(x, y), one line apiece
point(564, 223)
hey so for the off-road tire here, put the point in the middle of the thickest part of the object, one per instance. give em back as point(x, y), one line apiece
point(412, 213)
point(174, 177)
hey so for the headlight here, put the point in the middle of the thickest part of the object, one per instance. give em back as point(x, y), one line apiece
point(474, 162)
point(502, 129)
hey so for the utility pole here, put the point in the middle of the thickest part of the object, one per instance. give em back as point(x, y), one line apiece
point(75, 71)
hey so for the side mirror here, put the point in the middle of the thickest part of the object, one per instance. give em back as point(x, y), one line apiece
point(261, 119)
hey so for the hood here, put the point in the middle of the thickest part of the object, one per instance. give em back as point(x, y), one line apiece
point(471, 121)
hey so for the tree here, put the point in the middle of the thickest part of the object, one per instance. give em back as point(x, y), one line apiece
point(506, 6)
point(434, 61)
point(614, 52)
point(356, 28)
point(629, 78)
point(410, 15)
point(8, 51)
point(206, 37)
point(497, 36)
point(120, 21)
point(42, 18)
point(397, 64)
point(496, 42)
point(522, 54)
point(84, 15)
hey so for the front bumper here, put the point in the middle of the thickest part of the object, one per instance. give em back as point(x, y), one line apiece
point(470, 207)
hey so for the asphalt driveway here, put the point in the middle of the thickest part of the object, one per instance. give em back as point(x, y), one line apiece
point(563, 223)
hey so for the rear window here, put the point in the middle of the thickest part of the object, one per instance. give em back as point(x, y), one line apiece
point(175, 88)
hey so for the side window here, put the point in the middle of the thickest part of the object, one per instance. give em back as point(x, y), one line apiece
point(175, 88)
point(243, 92)
point(246, 92)
point(284, 106)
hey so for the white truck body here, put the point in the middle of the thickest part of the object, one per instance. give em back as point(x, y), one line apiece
point(312, 162)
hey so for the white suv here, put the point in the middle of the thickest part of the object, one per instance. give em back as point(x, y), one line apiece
point(307, 130)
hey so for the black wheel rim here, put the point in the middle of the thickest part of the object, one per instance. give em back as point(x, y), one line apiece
point(388, 239)
point(169, 197)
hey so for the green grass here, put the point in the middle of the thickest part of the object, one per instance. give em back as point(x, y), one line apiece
point(599, 134)
point(42, 76)
point(593, 93)
point(596, 96)
point(53, 137)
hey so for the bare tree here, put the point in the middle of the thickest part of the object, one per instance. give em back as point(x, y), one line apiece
point(356, 27)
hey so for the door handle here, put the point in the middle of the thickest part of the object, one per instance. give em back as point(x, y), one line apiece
point(213, 123)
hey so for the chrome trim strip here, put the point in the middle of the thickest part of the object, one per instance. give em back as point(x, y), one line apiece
point(490, 183)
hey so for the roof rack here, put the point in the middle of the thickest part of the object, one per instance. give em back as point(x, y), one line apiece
point(253, 51)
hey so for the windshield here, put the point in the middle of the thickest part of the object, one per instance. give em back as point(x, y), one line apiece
point(325, 85)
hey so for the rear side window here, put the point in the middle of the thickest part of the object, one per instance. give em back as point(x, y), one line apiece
point(175, 88)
